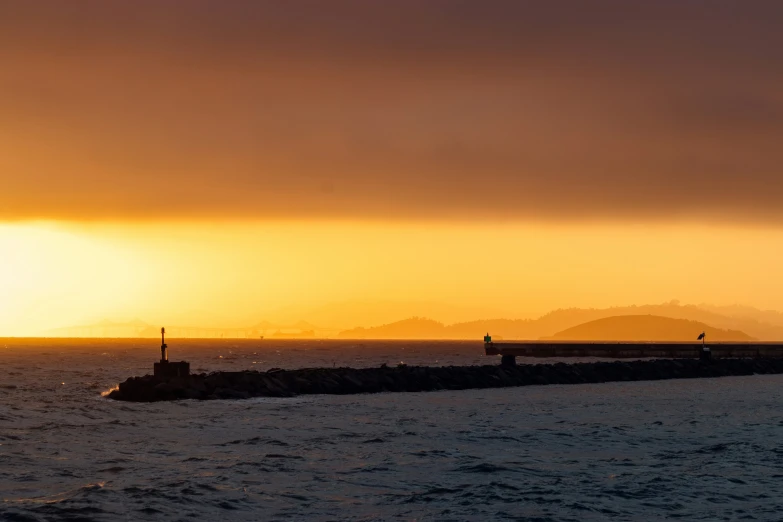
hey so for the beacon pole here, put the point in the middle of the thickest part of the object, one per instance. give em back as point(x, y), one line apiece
point(164, 356)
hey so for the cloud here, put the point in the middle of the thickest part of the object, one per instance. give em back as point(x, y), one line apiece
point(392, 110)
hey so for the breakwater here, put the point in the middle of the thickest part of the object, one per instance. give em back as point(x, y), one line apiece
point(343, 381)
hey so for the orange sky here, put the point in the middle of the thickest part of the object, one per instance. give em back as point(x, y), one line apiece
point(264, 154)
point(238, 273)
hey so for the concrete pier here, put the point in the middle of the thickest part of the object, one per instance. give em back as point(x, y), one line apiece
point(631, 350)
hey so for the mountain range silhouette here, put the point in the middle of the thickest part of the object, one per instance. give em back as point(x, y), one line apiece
point(736, 322)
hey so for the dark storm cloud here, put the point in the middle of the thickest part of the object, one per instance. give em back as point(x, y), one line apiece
point(403, 110)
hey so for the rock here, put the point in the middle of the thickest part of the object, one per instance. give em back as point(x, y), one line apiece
point(288, 383)
point(225, 393)
point(193, 394)
point(165, 387)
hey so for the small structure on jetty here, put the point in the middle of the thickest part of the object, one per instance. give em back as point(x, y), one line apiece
point(166, 369)
point(630, 349)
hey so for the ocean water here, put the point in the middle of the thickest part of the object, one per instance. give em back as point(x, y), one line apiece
point(706, 449)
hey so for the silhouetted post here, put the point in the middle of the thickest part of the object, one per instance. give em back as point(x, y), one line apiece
point(705, 354)
point(165, 369)
point(164, 356)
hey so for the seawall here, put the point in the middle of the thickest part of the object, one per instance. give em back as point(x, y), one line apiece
point(632, 349)
point(343, 381)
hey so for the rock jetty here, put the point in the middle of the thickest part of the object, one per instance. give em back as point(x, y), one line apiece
point(343, 381)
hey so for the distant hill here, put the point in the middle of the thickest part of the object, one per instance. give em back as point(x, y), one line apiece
point(469, 322)
point(747, 313)
point(558, 320)
point(141, 329)
point(645, 328)
point(764, 325)
point(106, 328)
point(351, 314)
point(413, 328)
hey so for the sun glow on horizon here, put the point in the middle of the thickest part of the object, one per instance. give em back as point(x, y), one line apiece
point(60, 274)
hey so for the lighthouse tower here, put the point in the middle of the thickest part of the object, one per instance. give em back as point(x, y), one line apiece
point(165, 369)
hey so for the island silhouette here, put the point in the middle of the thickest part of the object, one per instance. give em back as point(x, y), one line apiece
point(644, 328)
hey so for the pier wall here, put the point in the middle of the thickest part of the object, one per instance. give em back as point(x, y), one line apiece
point(633, 350)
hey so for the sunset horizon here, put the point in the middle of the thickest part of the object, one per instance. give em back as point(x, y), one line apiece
point(62, 274)
point(255, 156)
point(391, 259)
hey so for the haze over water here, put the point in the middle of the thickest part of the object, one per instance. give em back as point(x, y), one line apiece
point(705, 449)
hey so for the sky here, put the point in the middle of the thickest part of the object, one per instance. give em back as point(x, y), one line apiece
point(234, 157)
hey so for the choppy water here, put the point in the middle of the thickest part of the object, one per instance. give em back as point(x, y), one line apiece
point(707, 449)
